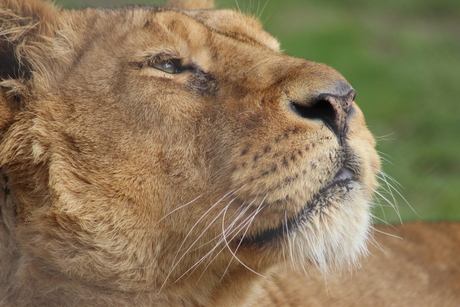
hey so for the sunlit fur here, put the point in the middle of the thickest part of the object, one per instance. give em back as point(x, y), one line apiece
point(145, 150)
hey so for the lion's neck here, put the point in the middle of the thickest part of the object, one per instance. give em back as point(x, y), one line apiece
point(22, 284)
point(8, 248)
point(218, 286)
point(238, 288)
point(24, 279)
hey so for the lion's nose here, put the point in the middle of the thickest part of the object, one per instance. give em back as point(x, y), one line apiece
point(332, 106)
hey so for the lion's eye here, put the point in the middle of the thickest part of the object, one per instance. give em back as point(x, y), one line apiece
point(170, 66)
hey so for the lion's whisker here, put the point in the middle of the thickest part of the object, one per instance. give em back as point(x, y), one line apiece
point(220, 236)
point(377, 202)
point(388, 201)
point(388, 188)
point(249, 222)
point(176, 262)
point(385, 157)
point(222, 248)
point(374, 242)
point(236, 230)
point(221, 240)
point(234, 217)
point(192, 268)
point(223, 237)
point(387, 234)
point(381, 220)
point(178, 208)
point(388, 177)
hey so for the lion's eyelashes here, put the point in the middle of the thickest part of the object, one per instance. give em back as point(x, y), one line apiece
point(170, 66)
point(166, 63)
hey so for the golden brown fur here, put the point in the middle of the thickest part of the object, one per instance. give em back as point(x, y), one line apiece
point(174, 157)
point(415, 264)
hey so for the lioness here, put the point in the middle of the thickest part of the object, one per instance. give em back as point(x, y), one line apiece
point(175, 157)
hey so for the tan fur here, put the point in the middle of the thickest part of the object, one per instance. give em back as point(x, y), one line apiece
point(190, 4)
point(415, 264)
point(124, 182)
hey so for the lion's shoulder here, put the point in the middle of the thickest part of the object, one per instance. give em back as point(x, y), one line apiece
point(413, 264)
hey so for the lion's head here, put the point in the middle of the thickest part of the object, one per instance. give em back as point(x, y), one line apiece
point(170, 156)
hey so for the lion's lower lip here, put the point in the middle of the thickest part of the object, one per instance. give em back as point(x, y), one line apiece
point(344, 174)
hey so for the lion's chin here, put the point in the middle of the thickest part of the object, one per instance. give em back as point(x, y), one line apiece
point(331, 231)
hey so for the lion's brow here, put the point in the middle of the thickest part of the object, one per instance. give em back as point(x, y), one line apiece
point(154, 9)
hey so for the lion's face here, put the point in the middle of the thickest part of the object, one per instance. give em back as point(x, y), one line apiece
point(169, 145)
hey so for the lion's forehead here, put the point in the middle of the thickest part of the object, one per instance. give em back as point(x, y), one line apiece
point(209, 39)
point(236, 25)
point(196, 25)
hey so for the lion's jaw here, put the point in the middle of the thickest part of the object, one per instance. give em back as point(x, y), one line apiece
point(183, 184)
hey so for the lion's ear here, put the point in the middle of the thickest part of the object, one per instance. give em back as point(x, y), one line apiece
point(25, 26)
point(190, 4)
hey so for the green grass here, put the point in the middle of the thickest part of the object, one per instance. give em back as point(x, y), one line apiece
point(403, 58)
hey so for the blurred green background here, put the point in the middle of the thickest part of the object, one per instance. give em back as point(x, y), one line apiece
point(403, 58)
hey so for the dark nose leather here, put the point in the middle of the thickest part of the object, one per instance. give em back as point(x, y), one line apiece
point(332, 105)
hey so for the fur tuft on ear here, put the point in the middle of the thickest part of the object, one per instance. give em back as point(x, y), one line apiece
point(190, 4)
point(25, 28)
point(19, 22)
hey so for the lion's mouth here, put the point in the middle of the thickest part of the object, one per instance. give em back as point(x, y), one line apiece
point(338, 189)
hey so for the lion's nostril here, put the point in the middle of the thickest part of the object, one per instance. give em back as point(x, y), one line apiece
point(322, 110)
point(333, 110)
